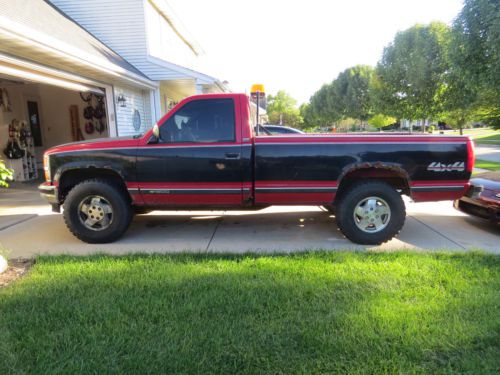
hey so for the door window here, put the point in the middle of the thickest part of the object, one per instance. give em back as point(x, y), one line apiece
point(206, 120)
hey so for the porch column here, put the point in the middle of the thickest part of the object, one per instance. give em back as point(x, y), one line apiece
point(155, 101)
point(110, 110)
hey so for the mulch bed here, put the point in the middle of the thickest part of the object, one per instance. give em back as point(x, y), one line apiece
point(17, 268)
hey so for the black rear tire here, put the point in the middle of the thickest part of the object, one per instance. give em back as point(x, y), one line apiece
point(352, 225)
point(111, 197)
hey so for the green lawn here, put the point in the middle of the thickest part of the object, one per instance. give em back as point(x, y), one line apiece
point(341, 312)
point(478, 133)
point(488, 138)
point(485, 164)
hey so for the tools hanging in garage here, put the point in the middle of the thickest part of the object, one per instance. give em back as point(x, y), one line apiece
point(88, 112)
point(20, 151)
point(99, 114)
point(94, 114)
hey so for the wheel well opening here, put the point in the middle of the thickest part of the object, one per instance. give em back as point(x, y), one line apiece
point(73, 177)
point(394, 178)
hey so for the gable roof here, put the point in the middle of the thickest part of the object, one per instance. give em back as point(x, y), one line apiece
point(37, 30)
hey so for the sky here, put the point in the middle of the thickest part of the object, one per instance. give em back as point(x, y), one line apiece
point(297, 46)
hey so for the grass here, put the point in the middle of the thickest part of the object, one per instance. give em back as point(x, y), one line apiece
point(491, 138)
point(478, 133)
point(356, 313)
point(485, 136)
point(485, 164)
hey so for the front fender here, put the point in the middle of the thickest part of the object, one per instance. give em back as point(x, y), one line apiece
point(88, 166)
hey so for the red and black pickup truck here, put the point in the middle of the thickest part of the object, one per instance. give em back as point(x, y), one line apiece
point(205, 154)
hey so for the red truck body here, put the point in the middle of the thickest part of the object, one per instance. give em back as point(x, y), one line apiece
point(206, 154)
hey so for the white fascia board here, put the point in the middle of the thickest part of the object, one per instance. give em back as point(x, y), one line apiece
point(50, 80)
point(33, 38)
point(168, 14)
point(189, 73)
point(47, 70)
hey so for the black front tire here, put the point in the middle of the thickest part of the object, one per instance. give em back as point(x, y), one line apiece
point(346, 207)
point(121, 211)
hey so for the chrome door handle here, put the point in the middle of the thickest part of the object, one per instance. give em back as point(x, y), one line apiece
point(232, 155)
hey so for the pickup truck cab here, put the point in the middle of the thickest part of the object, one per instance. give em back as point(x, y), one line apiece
point(205, 154)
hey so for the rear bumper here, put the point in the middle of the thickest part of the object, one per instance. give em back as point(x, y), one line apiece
point(49, 192)
point(438, 191)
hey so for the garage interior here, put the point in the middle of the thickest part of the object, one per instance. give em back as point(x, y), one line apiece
point(36, 116)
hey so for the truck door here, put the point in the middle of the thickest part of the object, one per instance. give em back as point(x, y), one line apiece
point(198, 158)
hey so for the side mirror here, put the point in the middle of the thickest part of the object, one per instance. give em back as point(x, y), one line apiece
point(156, 131)
point(155, 137)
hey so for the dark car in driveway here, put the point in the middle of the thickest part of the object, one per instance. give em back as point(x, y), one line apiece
point(482, 199)
point(279, 129)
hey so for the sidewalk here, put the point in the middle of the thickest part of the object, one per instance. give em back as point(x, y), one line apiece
point(489, 153)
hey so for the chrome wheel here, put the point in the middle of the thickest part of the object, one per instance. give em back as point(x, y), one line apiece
point(372, 214)
point(95, 213)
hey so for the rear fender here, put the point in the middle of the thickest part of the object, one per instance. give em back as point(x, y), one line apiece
point(375, 170)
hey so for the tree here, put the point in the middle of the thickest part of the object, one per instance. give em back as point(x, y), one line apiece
point(281, 109)
point(379, 120)
point(323, 107)
point(475, 57)
point(305, 111)
point(5, 174)
point(346, 97)
point(409, 80)
point(352, 89)
point(459, 101)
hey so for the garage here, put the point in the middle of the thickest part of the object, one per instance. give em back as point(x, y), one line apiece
point(60, 84)
point(39, 110)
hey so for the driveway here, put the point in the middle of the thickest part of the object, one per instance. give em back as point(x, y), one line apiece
point(29, 228)
point(489, 153)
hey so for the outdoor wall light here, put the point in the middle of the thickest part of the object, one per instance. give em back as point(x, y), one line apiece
point(121, 100)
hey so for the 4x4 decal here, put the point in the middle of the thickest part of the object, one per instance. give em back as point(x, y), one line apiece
point(442, 167)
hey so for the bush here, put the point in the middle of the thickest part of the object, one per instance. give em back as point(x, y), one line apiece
point(431, 129)
point(5, 174)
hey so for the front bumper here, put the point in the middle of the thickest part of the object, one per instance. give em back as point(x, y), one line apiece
point(478, 208)
point(49, 192)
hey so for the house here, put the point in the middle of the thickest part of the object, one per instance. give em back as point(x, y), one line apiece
point(415, 124)
point(79, 70)
point(149, 36)
point(48, 66)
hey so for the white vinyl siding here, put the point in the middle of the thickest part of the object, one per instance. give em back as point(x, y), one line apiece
point(134, 99)
point(136, 31)
point(118, 24)
point(121, 25)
